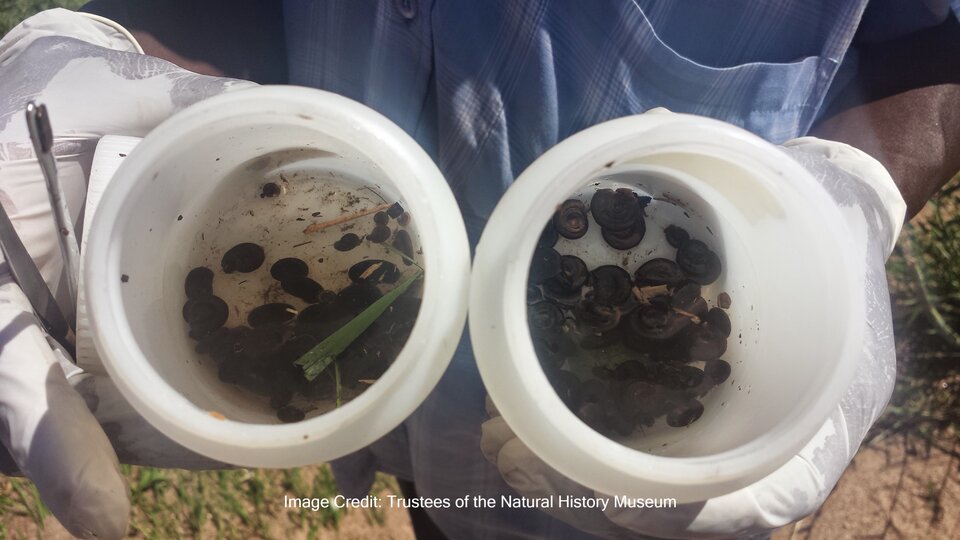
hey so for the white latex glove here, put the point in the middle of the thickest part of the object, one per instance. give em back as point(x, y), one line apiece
point(94, 80)
point(874, 211)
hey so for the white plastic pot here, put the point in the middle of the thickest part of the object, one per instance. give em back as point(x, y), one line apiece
point(188, 192)
point(788, 266)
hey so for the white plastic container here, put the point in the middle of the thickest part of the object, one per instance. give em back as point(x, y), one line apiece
point(188, 192)
point(788, 265)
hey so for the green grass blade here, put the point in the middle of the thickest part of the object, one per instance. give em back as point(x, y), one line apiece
point(318, 358)
point(336, 370)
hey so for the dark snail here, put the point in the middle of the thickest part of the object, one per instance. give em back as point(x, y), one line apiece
point(717, 370)
point(358, 296)
point(244, 258)
point(699, 307)
point(565, 384)
point(680, 377)
point(205, 314)
point(217, 343)
point(290, 414)
point(548, 238)
point(593, 341)
point(685, 296)
point(318, 313)
point(630, 369)
point(374, 271)
point(596, 318)
point(573, 275)
point(270, 189)
point(545, 265)
point(592, 415)
point(676, 236)
point(303, 288)
point(616, 210)
point(533, 294)
point(698, 262)
point(591, 391)
point(571, 219)
point(274, 313)
point(611, 285)
point(347, 242)
point(627, 238)
point(395, 210)
point(199, 282)
point(296, 347)
point(545, 317)
point(379, 234)
point(685, 413)
point(705, 343)
point(658, 272)
point(656, 321)
point(717, 319)
point(289, 267)
point(404, 244)
point(262, 341)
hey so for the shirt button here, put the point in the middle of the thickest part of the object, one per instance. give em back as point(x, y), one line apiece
point(407, 8)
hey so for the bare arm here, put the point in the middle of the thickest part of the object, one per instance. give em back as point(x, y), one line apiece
point(904, 110)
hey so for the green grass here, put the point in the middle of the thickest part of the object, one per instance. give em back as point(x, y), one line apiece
point(232, 504)
point(172, 503)
point(924, 278)
point(927, 262)
point(19, 497)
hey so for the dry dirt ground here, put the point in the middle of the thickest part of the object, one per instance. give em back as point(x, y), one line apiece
point(896, 489)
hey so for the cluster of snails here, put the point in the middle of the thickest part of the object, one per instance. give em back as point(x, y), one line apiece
point(260, 356)
point(668, 339)
point(381, 233)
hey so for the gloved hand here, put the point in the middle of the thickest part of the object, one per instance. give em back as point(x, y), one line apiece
point(94, 80)
point(874, 211)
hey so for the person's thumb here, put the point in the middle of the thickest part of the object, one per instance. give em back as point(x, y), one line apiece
point(49, 431)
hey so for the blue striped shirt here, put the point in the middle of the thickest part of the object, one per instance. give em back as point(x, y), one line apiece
point(488, 86)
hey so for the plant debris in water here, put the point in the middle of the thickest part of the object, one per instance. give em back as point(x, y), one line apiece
point(626, 347)
point(283, 353)
point(317, 359)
